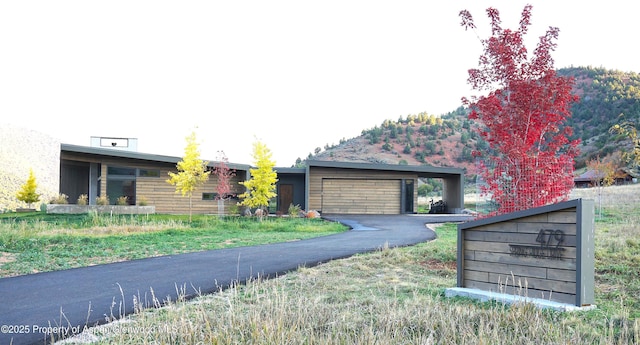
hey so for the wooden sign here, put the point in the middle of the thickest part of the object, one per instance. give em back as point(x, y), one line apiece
point(545, 253)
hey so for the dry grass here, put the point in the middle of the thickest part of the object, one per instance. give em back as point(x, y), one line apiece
point(396, 296)
point(97, 225)
point(354, 301)
point(619, 223)
point(622, 198)
point(382, 298)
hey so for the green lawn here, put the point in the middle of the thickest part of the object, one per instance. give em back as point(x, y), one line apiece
point(38, 242)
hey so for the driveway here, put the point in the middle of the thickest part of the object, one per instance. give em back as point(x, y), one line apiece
point(36, 307)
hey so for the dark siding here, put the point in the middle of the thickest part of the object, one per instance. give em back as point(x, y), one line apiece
point(74, 179)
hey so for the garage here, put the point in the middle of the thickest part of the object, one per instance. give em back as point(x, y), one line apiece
point(372, 188)
point(361, 196)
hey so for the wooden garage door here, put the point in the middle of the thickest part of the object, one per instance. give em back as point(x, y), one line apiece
point(360, 196)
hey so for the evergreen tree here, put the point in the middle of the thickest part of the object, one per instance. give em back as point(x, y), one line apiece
point(27, 192)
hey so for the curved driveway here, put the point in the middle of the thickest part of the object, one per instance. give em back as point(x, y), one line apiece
point(34, 306)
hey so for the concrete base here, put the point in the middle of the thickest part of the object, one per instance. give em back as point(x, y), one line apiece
point(485, 296)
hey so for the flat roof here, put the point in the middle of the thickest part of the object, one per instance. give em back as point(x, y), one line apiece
point(136, 155)
point(284, 170)
point(422, 170)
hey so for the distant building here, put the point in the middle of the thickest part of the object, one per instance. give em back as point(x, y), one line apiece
point(591, 178)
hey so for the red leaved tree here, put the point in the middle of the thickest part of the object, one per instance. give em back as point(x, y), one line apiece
point(522, 117)
point(224, 175)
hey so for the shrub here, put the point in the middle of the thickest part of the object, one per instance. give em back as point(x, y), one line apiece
point(60, 199)
point(83, 200)
point(102, 200)
point(122, 201)
point(294, 210)
point(142, 201)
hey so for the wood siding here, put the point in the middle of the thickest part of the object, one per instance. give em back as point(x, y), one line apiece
point(157, 191)
point(163, 195)
point(360, 196)
point(544, 263)
point(360, 187)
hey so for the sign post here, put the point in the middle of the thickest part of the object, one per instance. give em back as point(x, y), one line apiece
point(543, 255)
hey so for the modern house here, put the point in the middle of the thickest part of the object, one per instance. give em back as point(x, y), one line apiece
point(328, 187)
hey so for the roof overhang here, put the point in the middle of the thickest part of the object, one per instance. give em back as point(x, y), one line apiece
point(425, 171)
point(293, 171)
point(114, 153)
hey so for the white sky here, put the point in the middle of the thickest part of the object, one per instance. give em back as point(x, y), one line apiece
point(295, 74)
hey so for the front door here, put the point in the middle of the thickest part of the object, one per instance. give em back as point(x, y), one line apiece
point(285, 198)
point(408, 196)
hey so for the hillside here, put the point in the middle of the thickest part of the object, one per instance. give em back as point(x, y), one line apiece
point(20, 150)
point(449, 139)
point(415, 140)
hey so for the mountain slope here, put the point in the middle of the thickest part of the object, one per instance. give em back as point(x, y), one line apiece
point(21, 150)
point(449, 139)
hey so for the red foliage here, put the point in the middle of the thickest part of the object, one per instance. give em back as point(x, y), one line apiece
point(224, 175)
point(523, 117)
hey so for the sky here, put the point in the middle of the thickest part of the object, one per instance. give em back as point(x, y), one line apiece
point(294, 75)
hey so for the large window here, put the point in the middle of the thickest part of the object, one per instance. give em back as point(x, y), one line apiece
point(121, 182)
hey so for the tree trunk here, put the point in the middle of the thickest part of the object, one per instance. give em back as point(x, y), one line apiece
point(220, 207)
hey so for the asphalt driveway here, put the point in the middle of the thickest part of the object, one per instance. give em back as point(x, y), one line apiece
point(35, 307)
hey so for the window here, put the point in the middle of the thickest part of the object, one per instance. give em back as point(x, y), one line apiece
point(114, 142)
point(213, 196)
point(209, 196)
point(121, 171)
point(121, 181)
point(148, 172)
point(117, 188)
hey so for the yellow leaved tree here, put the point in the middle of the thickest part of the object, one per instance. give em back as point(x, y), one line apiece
point(262, 184)
point(603, 175)
point(28, 192)
point(192, 171)
point(628, 129)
